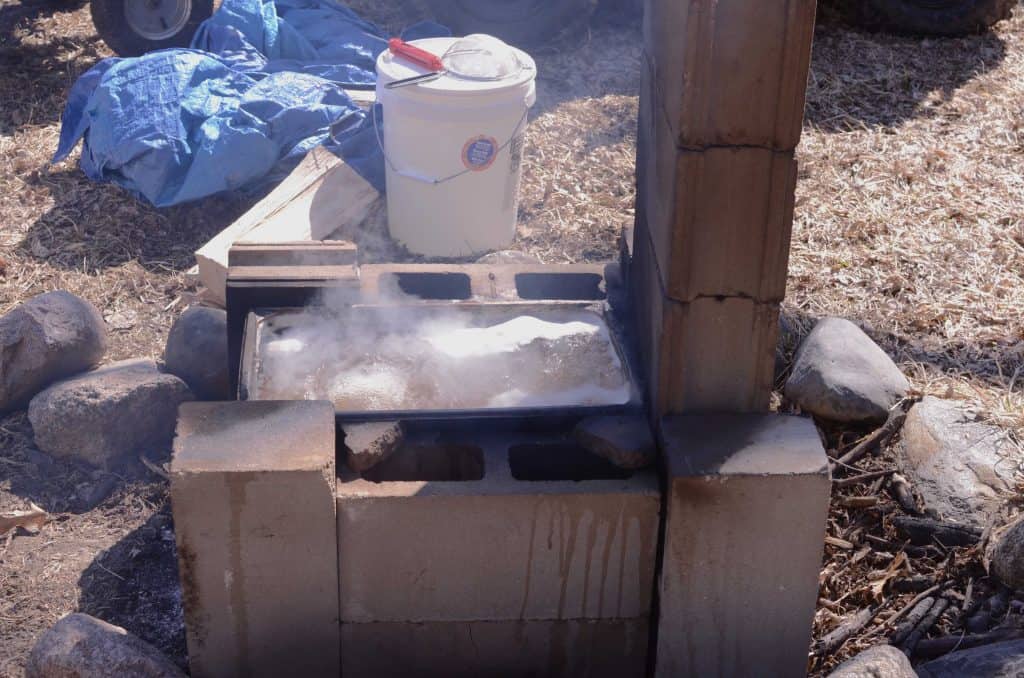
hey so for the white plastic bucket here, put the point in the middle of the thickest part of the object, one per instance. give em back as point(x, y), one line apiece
point(453, 150)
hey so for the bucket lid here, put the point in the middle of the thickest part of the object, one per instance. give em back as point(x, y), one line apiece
point(475, 63)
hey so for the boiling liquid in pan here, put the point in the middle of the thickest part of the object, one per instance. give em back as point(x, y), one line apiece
point(392, 359)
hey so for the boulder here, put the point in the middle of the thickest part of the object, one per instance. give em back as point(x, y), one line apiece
point(80, 646)
point(626, 441)
point(115, 410)
point(1005, 554)
point(962, 469)
point(197, 351)
point(880, 661)
point(841, 375)
point(989, 661)
point(369, 444)
point(49, 337)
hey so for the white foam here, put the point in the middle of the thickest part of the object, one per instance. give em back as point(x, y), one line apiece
point(373, 360)
point(285, 346)
point(588, 394)
point(374, 388)
point(466, 342)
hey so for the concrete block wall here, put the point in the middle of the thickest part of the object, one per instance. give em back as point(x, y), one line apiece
point(707, 354)
point(525, 550)
point(721, 108)
point(747, 500)
point(252, 489)
point(609, 647)
point(732, 72)
point(495, 553)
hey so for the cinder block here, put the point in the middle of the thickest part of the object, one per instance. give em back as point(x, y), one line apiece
point(711, 354)
point(497, 527)
point(745, 523)
point(720, 219)
point(731, 72)
point(575, 648)
point(252, 490)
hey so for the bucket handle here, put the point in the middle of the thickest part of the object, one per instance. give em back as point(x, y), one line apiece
point(430, 180)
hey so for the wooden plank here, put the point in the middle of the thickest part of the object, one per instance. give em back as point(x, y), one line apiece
point(322, 195)
point(316, 253)
point(300, 273)
point(364, 98)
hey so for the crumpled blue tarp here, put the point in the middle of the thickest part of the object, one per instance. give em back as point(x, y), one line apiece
point(262, 84)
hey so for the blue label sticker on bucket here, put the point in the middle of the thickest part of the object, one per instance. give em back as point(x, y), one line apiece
point(479, 153)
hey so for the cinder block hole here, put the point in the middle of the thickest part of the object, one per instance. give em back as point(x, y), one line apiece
point(434, 285)
point(438, 463)
point(561, 461)
point(559, 286)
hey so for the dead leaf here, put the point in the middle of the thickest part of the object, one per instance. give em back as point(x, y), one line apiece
point(883, 578)
point(31, 520)
point(160, 470)
point(839, 543)
point(860, 555)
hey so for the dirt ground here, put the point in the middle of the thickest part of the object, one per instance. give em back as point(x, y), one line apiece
point(909, 220)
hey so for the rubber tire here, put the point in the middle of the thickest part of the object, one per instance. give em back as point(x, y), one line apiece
point(110, 22)
point(931, 17)
point(523, 23)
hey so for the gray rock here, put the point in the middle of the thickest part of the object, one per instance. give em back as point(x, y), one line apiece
point(49, 337)
point(503, 257)
point(880, 661)
point(841, 375)
point(626, 441)
point(80, 646)
point(370, 444)
point(998, 660)
point(197, 351)
point(115, 410)
point(1005, 554)
point(788, 336)
point(90, 495)
point(961, 468)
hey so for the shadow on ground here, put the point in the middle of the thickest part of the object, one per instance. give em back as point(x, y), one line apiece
point(861, 79)
point(12, 13)
point(64, 486)
point(94, 226)
point(992, 363)
point(134, 584)
point(58, 486)
point(35, 74)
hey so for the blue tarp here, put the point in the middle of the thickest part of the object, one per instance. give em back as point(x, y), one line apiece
point(262, 84)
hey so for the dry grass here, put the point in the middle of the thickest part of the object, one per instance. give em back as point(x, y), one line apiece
point(909, 220)
point(910, 208)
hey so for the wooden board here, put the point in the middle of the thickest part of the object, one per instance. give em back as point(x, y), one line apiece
point(310, 253)
point(320, 197)
point(364, 98)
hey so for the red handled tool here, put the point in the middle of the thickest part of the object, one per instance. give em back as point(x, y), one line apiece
point(418, 56)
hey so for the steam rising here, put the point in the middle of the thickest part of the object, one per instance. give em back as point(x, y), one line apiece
point(382, 358)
